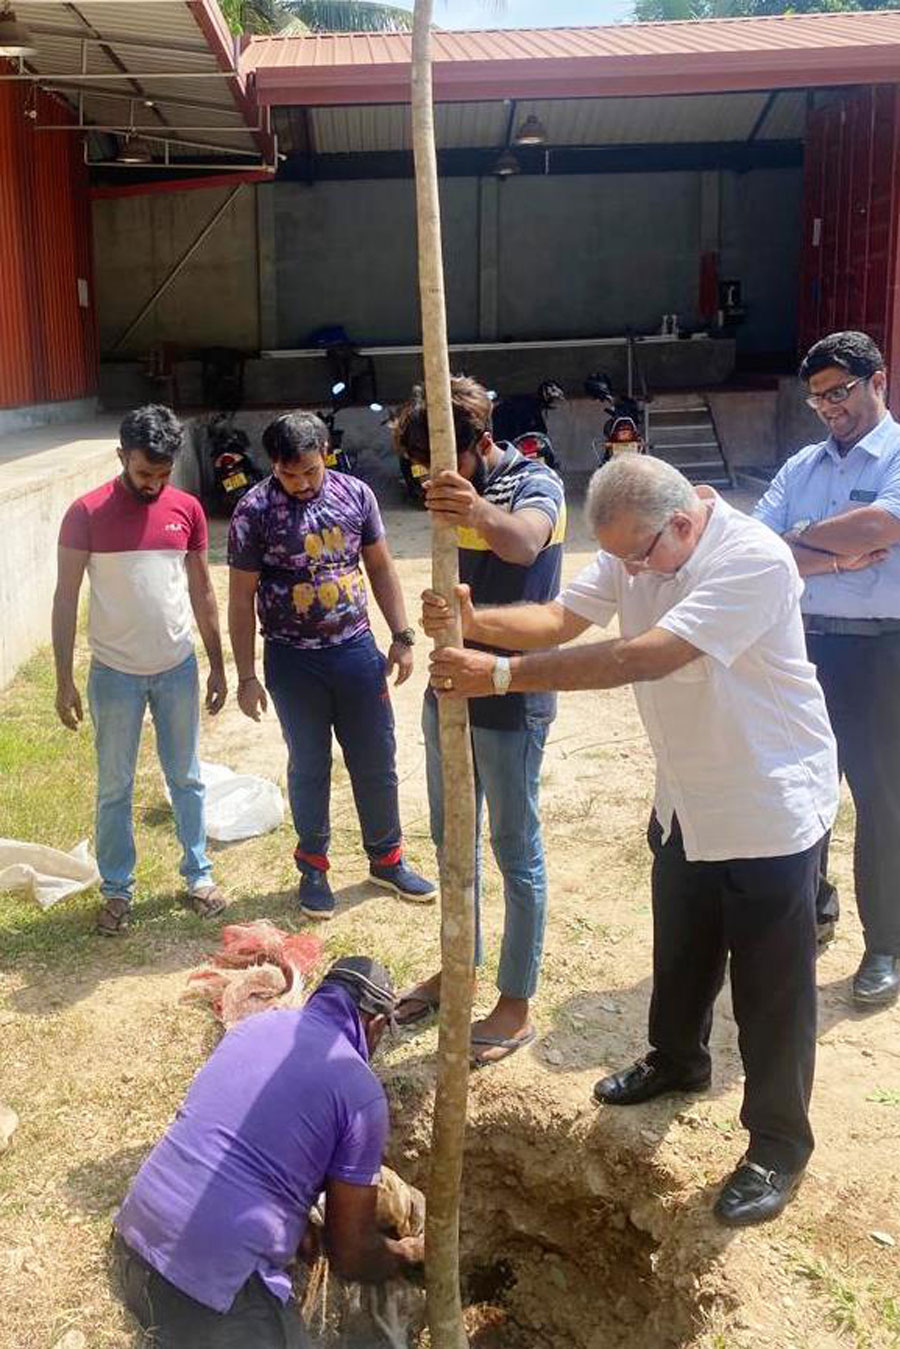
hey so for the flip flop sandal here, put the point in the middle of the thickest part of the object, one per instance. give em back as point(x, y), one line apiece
point(114, 916)
point(427, 1004)
point(207, 903)
point(509, 1045)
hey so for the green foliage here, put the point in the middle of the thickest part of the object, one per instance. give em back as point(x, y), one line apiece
point(349, 16)
point(661, 11)
point(253, 16)
point(296, 17)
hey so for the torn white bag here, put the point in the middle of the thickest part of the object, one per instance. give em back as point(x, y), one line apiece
point(239, 805)
point(48, 874)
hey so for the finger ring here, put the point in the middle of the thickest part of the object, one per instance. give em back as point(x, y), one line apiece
point(448, 683)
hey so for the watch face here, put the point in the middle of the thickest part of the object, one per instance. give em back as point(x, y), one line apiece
point(799, 526)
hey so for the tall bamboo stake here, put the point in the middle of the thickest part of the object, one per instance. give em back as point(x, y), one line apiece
point(457, 862)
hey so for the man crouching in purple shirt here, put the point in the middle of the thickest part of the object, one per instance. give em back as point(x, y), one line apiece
point(286, 1106)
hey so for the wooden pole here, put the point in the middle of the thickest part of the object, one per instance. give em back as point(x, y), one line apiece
point(457, 861)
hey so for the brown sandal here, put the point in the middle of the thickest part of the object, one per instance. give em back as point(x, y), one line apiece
point(114, 916)
point(208, 902)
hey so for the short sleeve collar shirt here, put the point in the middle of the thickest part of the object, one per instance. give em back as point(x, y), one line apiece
point(745, 754)
point(286, 1102)
point(311, 590)
point(819, 482)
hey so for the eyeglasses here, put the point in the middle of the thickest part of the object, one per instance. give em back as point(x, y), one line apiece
point(833, 397)
point(644, 560)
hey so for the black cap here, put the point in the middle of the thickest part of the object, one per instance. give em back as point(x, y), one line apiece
point(368, 982)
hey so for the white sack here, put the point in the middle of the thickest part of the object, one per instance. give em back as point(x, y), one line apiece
point(48, 874)
point(239, 805)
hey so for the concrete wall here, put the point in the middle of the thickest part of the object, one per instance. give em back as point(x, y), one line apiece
point(346, 254)
point(44, 471)
point(796, 423)
point(529, 257)
point(46, 414)
point(587, 255)
point(761, 226)
point(213, 301)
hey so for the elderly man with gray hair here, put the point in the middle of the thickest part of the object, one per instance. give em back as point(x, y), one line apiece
point(708, 603)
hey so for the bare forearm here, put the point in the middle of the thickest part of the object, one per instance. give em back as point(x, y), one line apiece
point(206, 612)
point(810, 562)
point(242, 631)
point(506, 535)
point(599, 665)
point(64, 624)
point(520, 627)
point(385, 585)
point(853, 532)
point(381, 1260)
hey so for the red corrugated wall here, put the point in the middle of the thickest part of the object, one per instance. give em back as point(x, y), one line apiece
point(851, 230)
point(48, 341)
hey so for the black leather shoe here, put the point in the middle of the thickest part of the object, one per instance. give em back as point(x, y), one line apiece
point(751, 1194)
point(877, 981)
point(641, 1082)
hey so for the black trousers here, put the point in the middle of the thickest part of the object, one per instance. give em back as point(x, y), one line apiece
point(761, 912)
point(172, 1320)
point(861, 680)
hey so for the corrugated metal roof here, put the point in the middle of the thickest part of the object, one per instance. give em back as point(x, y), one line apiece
point(157, 65)
point(387, 127)
point(777, 33)
point(699, 56)
point(578, 121)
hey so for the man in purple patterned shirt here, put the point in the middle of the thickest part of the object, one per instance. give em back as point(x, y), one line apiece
point(294, 551)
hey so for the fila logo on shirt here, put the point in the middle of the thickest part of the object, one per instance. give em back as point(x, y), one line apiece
point(173, 527)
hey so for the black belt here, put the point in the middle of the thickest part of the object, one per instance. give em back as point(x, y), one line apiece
point(822, 625)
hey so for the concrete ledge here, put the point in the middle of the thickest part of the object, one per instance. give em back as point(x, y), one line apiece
point(46, 414)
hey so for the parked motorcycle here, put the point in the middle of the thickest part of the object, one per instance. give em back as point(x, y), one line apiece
point(623, 427)
point(234, 471)
point(521, 418)
point(336, 456)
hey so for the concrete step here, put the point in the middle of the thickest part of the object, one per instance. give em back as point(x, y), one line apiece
point(713, 445)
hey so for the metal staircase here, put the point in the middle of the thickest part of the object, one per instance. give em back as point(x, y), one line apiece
point(682, 431)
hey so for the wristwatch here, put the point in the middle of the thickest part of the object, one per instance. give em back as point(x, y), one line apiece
point(406, 637)
point(800, 527)
point(501, 675)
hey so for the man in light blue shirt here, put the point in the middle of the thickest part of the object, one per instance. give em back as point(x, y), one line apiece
point(837, 504)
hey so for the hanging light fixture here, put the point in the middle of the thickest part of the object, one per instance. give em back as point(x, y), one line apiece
point(507, 165)
point(134, 150)
point(15, 39)
point(531, 132)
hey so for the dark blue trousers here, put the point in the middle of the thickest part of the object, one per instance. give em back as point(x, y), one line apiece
point(341, 688)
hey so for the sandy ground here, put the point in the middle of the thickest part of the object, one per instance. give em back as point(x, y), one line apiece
point(118, 1050)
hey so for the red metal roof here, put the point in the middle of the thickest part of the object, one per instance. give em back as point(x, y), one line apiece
point(654, 58)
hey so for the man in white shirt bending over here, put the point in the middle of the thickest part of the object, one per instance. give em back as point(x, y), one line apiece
point(708, 603)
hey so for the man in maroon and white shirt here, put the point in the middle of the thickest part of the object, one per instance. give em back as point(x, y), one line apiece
point(143, 544)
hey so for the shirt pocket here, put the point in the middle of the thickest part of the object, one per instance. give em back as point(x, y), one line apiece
point(695, 672)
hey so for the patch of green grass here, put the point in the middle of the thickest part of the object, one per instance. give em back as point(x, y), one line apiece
point(47, 790)
point(884, 1096)
point(856, 1309)
point(845, 1312)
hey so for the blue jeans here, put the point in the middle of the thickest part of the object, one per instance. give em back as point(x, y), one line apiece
point(507, 776)
point(117, 702)
point(341, 687)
